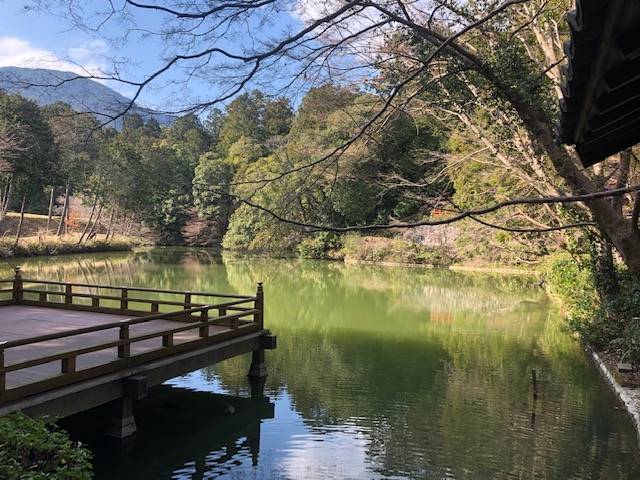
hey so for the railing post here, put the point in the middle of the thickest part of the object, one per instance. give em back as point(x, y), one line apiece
point(68, 294)
point(124, 351)
point(187, 301)
point(124, 300)
point(233, 323)
point(17, 285)
point(259, 305)
point(69, 365)
point(204, 317)
point(3, 376)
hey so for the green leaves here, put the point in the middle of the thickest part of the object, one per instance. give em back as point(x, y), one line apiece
point(31, 449)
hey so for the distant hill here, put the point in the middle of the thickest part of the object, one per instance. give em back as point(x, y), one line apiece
point(83, 95)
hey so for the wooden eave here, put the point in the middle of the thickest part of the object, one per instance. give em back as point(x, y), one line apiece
point(600, 108)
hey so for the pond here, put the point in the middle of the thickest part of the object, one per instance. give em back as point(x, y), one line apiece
point(380, 372)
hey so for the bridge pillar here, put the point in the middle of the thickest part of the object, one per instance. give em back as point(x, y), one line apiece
point(122, 423)
point(258, 368)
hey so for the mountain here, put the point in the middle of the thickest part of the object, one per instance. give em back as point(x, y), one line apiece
point(46, 86)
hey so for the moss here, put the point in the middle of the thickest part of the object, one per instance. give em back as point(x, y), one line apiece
point(31, 449)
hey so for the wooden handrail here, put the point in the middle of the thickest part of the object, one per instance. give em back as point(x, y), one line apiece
point(114, 343)
point(248, 310)
point(131, 299)
point(131, 289)
point(98, 328)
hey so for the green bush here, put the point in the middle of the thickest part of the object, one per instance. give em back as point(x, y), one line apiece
point(31, 449)
point(320, 245)
point(395, 250)
point(603, 319)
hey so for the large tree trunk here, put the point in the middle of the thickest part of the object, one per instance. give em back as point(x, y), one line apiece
point(543, 139)
point(619, 230)
point(65, 209)
point(612, 223)
point(51, 198)
point(19, 230)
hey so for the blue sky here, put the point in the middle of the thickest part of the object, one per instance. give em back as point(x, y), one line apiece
point(29, 38)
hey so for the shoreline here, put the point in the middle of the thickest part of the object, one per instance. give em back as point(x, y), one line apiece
point(53, 246)
point(489, 268)
point(629, 397)
point(59, 246)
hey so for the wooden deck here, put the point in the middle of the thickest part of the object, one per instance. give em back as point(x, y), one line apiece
point(19, 322)
point(77, 341)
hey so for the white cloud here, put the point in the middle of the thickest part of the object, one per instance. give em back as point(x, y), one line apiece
point(16, 52)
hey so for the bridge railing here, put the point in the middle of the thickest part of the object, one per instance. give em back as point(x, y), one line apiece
point(239, 313)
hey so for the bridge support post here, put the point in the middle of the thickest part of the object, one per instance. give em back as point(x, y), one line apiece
point(122, 423)
point(258, 368)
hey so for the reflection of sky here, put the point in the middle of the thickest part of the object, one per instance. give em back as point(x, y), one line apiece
point(289, 448)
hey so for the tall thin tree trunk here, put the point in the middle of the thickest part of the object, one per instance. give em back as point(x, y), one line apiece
point(19, 231)
point(67, 219)
point(7, 199)
point(86, 226)
point(5, 191)
point(123, 223)
point(51, 198)
point(92, 230)
point(110, 226)
point(65, 208)
point(128, 231)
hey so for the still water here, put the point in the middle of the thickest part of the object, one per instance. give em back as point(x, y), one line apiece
point(380, 372)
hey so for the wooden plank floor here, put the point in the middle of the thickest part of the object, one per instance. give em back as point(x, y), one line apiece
point(22, 321)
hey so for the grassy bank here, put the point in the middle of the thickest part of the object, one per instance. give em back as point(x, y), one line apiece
point(602, 307)
point(382, 250)
point(373, 249)
point(53, 245)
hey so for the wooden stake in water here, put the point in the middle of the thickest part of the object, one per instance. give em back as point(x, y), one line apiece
point(534, 382)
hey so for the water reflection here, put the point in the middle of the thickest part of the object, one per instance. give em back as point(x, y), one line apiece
point(379, 373)
point(183, 434)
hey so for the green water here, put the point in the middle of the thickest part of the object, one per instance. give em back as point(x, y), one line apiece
point(379, 373)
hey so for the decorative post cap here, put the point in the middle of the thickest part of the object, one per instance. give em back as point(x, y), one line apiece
point(17, 270)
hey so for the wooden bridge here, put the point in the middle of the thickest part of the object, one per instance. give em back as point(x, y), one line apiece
point(67, 347)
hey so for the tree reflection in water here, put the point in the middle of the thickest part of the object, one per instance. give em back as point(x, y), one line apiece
point(380, 372)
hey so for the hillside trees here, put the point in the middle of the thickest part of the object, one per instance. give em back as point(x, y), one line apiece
point(356, 193)
point(492, 63)
point(30, 161)
point(78, 140)
point(251, 127)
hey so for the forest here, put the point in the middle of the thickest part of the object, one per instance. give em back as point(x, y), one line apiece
point(446, 151)
point(427, 133)
point(408, 169)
